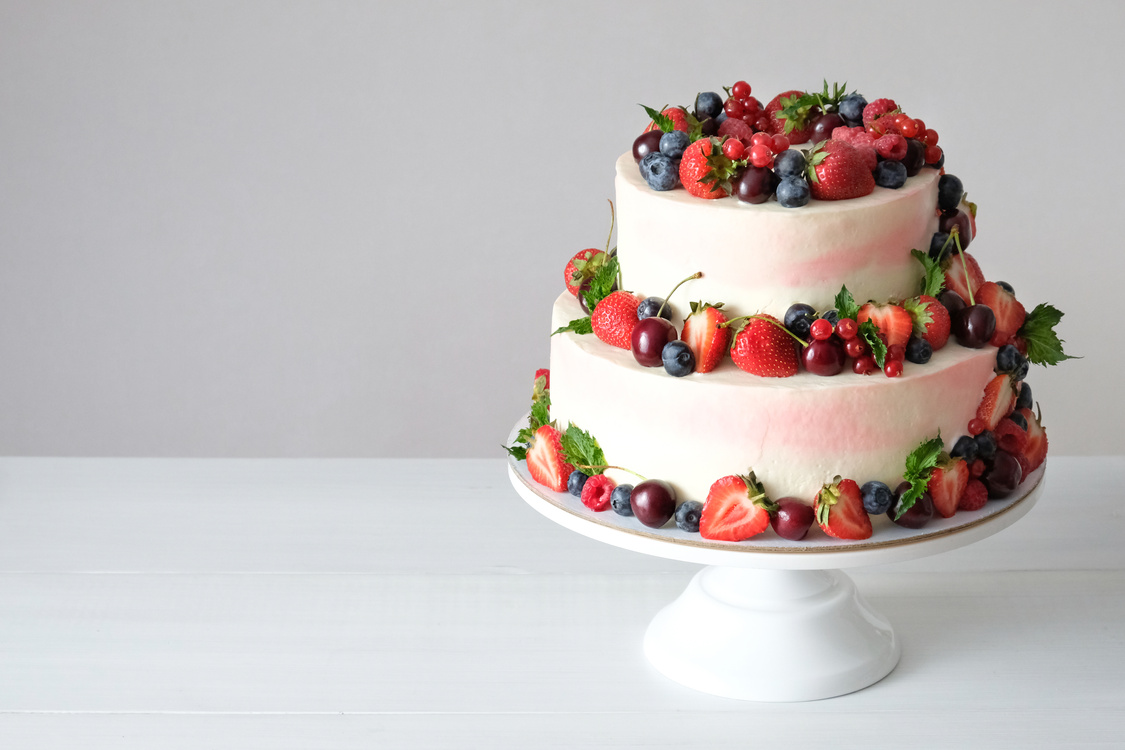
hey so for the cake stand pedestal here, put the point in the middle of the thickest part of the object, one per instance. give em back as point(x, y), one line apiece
point(771, 620)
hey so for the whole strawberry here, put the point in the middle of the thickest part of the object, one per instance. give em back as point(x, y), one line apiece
point(764, 348)
point(581, 268)
point(837, 171)
point(704, 171)
point(931, 319)
point(679, 119)
point(614, 318)
point(706, 336)
point(800, 130)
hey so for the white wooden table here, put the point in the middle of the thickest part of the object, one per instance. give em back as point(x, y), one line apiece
point(420, 603)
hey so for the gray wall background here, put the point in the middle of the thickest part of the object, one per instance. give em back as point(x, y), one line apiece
point(335, 228)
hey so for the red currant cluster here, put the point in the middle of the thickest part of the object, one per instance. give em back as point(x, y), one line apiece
point(908, 127)
point(741, 106)
point(763, 147)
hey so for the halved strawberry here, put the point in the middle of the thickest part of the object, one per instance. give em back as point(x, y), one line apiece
point(737, 508)
point(703, 335)
point(679, 119)
point(837, 171)
point(545, 459)
point(947, 484)
point(930, 318)
point(1009, 313)
point(955, 275)
point(614, 319)
point(998, 402)
point(764, 348)
point(893, 322)
point(596, 492)
point(974, 497)
point(1010, 436)
point(1036, 448)
point(839, 510)
point(581, 268)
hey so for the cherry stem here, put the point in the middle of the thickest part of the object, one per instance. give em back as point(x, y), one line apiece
point(771, 321)
point(619, 468)
point(611, 223)
point(955, 235)
point(696, 275)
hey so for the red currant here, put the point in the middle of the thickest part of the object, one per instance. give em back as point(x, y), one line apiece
point(976, 468)
point(820, 329)
point(761, 156)
point(763, 139)
point(779, 143)
point(896, 352)
point(976, 426)
point(893, 368)
point(930, 137)
point(733, 149)
point(847, 328)
point(752, 104)
point(762, 123)
point(733, 108)
point(920, 126)
point(933, 154)
point(740, 90)
point(855, 347)
point(865, 365)
point(749, 118)
point(908, 127)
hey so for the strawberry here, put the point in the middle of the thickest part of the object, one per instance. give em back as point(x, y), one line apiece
point(837, 171)
point(931, 319)
point(998, 402)
point(894, 322)
point(801, 128)
point(1010, 314)
point(597, 491)
point(974, 497)
point(737, 508)
point(1036, 448)
point(581, 268)
point(861, 141)
point(679, 119)
point(1010, 436)
point(541, 384)
point(947, 484)
point(955, 275)
point(705, 335)
point(764, 348)
point(544, 373)
point(614, 318)
point(704, 171)
point(839, 510)
point(545, 459)
point(876, 109)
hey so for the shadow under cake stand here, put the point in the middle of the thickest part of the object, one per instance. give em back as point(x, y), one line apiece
point(720, 635)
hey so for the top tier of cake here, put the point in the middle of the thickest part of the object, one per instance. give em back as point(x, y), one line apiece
point(763, 258)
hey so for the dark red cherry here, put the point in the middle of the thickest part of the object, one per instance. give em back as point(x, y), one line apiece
point(973, 326)
point(649, 337)
point(653, 501)
point(824, 356)
point(646, 143)
point(1003, 476)
point(793, 519)
point(918, 515)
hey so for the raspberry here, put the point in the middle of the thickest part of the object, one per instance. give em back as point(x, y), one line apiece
point(877, 109)
point(974, 497)
point(736, 129)
point(891, 146)
point(859, 139)
point(977, 467)
point(1010, 436)
point(597, 491)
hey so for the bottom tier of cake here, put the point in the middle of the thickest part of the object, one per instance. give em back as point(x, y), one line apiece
point(796, 433)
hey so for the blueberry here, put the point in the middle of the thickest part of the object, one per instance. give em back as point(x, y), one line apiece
point(649, 306)
point(1009, 359)
point(790, 163)
point(831, 316)
point(890, 174)
point(619, 499)
point(919, 350)
point(877, 498)
point(949, 192)
point(660, 172)
point(576, 482)
point(720, 119)
point(793, 192)
point(1006, 287)
point(1023, 400)
point(851, 109)
point(678, 359)
point(798, 318)
point(673, 144)
point(687, 515)
point(940, 246)
point(986, 445)
point(1019, 420)
point(708, 104)
point(965, 448)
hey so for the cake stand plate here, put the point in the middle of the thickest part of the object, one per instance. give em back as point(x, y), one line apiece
point(769, 619)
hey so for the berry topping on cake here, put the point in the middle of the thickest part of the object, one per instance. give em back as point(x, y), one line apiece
point(688, 516)
point(998, 402)
point(620, 498)
point(597, 491)
point(576, 482)
point(545, 459)
point(877, 498)
point(737, 508)
point(974, 497)
point(876, 110)
point(946, 485)
point(916, 477)
point(614, 319)
point(653, 502)
point(678, 359)
point(763, 347)
point(706, 336)
point(861, 141)
point(789, 114)
point(1035, 449)
point(894, 322)
point(581, 268)
point(1010, 435)
point(667, 120)
point(930, 320)
point(1010, 314)
point(793, 519)
point(704, 171)
point(962, 276)
point(838, 172)
point(733, 130)
point(839, 510)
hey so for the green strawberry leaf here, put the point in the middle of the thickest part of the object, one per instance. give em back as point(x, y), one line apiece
point(845, 304)
point(662, 121)
point(581, 326)
point(580, 447)
point(869, 332)
point(540, 412)
point(518, 452)
point(919, 313)
point(601, 284)
point(919, 465)
point(1044, 347)
point(934, 279)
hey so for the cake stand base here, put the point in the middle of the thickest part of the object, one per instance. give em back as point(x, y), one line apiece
point(771, 635)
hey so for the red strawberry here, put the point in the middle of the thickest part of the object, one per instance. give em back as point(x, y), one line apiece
point(614, 318)
point(1009, 313)
point(1010, 436)
point(1036, 448)
point(736, 128)
point(597, 491)
point(799, 134)
point(931, 319)
point(839, 510)
point(838, 172)
point(974, 497)
point(955, 275)
point(861, 141)
point(581, 268)
point(947, 485)
point(764, 348)
point(706, 177)
point(894, 322)
point(544, 373)
point(679, 119)
point(707, 341)
point(545, 459)
point(737, 508)
point(998, 402)
point(876, 109)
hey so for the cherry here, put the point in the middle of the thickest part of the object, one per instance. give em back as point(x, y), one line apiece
point(847, 329)
point(854, 348)
point(709, 127)
point(648, 340)
point(1003, 476)
point(959, 219)
point(973, 326)
point(951, 301)
point(793, 519)
point(653, 502)
point(915, 157)
point(918, 515)
point(740, 90)
point(647, 143)
point(824, 125)
point(824, 356)
point(755, 184)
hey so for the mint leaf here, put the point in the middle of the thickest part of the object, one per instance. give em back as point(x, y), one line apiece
point(663, 121)
point(580, 447)
point(919, 465)
point(845, 305)
point(934, 279)
point(601, 284)
point(869, 332)
point(518, 452)
point(581, 326)
point(540, 412)
point(1044, 347)
point(540, 415)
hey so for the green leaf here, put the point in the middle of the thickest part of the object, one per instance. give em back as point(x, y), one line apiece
point(1044, 347)
point(540, 413)
point(518, 452)
point(845, 304)
point(934, 279)
point(869, 332)
point(601, 284)
point(581, 326)
point(580, 447)
point(663, 121)
point(919, 465)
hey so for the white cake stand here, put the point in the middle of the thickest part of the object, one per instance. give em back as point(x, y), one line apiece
point(733, 631)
